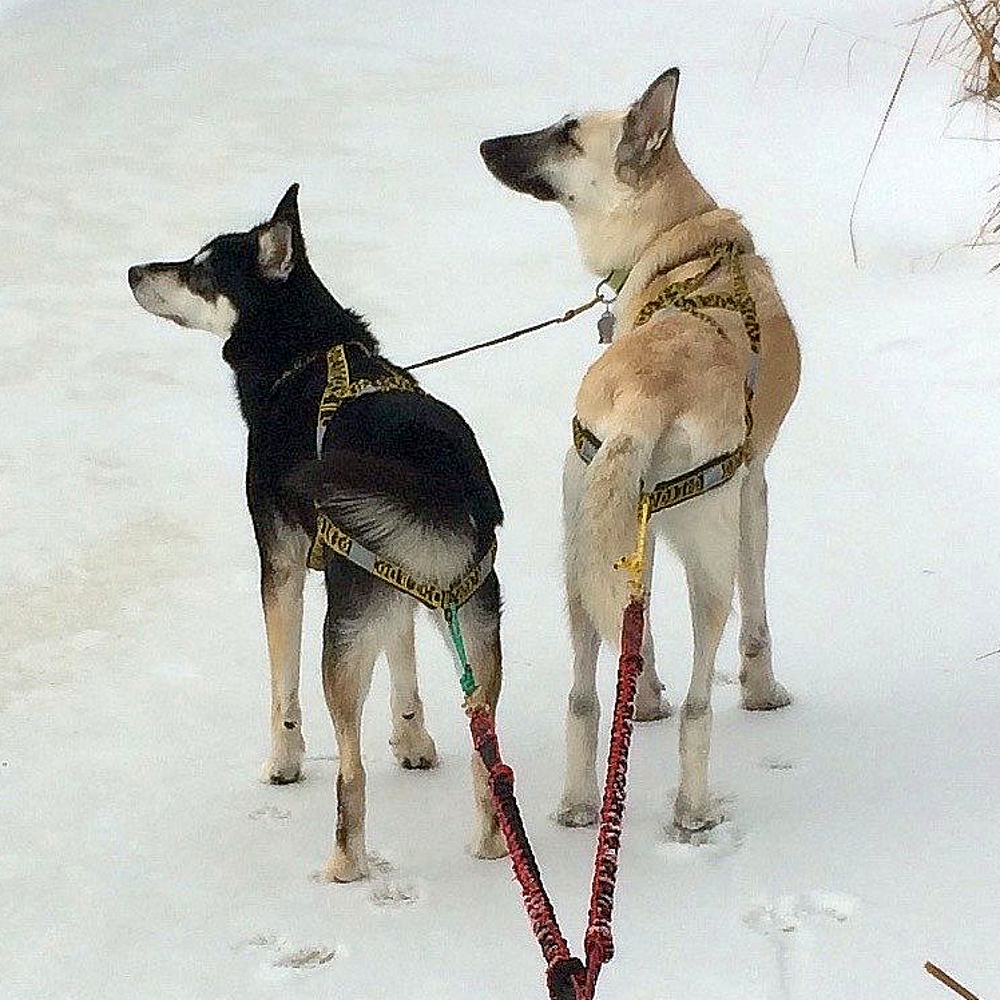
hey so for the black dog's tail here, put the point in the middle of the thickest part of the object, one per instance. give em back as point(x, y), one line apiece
point(434, 521)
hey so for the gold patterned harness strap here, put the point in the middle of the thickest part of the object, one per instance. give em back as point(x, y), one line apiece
point(671, 492)
point(681, 295)
point(331, 539)
point(684, 296)
point(341, 387)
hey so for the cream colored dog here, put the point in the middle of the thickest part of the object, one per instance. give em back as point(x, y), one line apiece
point(664, 398)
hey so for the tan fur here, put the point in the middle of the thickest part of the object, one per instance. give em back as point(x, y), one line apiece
point(665, 397)
point(677, 365)
point(614, 221)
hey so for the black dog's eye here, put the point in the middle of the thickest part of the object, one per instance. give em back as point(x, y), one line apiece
point(201, 279)
point(567, 133)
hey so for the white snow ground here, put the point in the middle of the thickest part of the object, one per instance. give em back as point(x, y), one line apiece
point(139, 855)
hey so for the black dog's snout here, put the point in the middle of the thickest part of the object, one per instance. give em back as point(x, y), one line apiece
point(505, 156)
point(490, 151)
point(134, 276)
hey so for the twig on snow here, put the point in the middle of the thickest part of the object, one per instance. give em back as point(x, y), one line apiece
point(949, 982)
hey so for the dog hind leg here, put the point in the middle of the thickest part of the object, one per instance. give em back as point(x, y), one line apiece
point(480, 621)
point(650, 702)
point(707, 542)
point(760, 690)
point(581, 799)
point(411, 744)
point(348, 659)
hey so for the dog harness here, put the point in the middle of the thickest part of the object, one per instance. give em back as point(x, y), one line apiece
point(330, 538)
point(683, 295)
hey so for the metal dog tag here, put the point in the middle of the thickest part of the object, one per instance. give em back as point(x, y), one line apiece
point(606, 327)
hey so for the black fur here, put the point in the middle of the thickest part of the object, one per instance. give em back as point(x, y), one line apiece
point(409, 448)
point(397, 467)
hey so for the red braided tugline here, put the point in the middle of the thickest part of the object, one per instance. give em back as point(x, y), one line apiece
point(598, 943)
point(566, 976)
point(564, 973)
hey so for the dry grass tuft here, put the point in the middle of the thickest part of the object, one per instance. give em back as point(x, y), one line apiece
point(970, 39)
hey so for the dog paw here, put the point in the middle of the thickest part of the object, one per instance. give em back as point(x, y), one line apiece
point(414, 750)
point(695, 836)
point(692, 826)
point(766, 701)
point(573, 814)
point(280, 771)
point(490, 846)
point(652, 706)
point(284, 764)
point(343, 867)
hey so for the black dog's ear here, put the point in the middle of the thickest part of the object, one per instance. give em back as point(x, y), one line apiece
point(279, 242)
point(647, 127)
point(276, 250)
point(288, 208)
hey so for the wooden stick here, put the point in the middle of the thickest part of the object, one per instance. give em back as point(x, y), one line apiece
point(949, 982)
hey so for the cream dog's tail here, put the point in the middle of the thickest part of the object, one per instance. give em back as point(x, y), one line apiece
point(601, 526)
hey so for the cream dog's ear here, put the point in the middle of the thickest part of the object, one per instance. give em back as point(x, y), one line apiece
point(648, 126)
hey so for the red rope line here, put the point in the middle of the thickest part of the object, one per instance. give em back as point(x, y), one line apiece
point(599, 944)
point(566, 976)
point(564, 971)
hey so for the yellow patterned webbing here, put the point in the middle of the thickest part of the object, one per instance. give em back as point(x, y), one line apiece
point(680, 295)
point(330, 538)
point(340, 386)
point(684, 296)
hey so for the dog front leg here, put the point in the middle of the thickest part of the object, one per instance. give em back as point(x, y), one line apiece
point(283, 570)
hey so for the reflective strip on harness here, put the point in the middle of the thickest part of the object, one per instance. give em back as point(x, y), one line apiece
point(332, 539)
point(586, 444)
point(706, 477)
point(671, 492)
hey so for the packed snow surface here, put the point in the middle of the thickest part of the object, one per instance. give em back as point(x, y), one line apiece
point(140, 857)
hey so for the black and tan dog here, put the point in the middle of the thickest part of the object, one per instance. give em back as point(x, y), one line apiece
point(392, 467)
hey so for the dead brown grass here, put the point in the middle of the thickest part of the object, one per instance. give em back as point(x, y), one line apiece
point(969, 38)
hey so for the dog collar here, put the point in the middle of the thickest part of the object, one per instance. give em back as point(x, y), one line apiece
point(299, 364)
point(616, 279)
